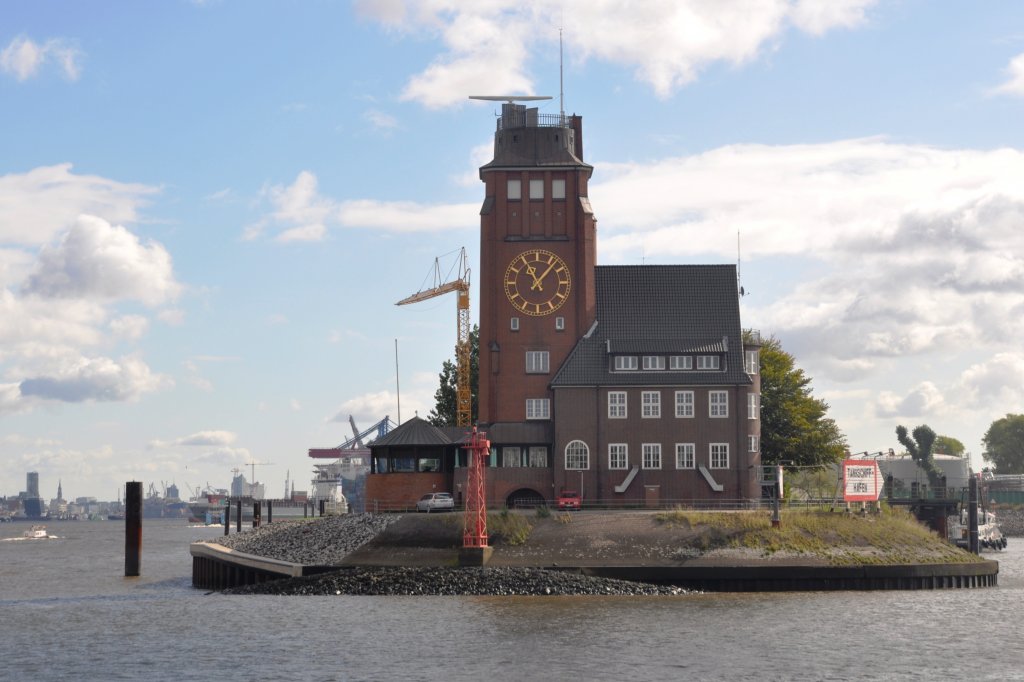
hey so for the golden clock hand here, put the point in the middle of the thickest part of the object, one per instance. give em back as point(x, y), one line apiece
point(531, 271)
point(537, 281)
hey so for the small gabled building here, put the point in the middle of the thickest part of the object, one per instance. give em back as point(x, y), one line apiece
point(659, 401)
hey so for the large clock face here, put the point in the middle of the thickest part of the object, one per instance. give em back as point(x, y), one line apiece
point(537, 282)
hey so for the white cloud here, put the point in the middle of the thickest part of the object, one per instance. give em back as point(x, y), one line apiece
point(301, 213)
point(1014, 83)
point(45, 201)
point(95, 259)
point(204, 438)
point(487, 45)
point(380, 120)
point(23, 58)
point(996, 383)
point(95, 379)
point(131, 327)
point(924, 399)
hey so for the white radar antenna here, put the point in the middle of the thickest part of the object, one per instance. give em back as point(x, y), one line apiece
point(510, 98)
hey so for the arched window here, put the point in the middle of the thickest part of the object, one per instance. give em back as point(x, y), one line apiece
point(577, 455)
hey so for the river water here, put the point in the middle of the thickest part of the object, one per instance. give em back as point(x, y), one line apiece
point(67, 612)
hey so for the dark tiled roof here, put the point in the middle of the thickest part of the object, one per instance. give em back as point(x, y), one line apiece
point(658, 309)
point(416, 431)
point(518, 432)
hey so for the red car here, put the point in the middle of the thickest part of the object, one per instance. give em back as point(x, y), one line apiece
point(569, 499)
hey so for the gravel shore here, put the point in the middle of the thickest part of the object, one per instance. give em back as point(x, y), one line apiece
point(451, 582)
point(327, 541)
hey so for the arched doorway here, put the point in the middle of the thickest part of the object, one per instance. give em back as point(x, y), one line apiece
point(524, 498)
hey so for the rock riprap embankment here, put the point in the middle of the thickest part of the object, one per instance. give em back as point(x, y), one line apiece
point(452, 581)
point(327, 541)
point(320, 542)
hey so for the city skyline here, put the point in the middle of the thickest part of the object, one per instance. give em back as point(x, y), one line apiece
point(208, 209)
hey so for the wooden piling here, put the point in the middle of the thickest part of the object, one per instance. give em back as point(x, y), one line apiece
point(133, 528)
point(322, 507)
point(239, 510)
point(227, 518)
point(256, 514)
point(270, 511)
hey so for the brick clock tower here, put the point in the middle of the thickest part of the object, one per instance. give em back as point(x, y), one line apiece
point(537, 258)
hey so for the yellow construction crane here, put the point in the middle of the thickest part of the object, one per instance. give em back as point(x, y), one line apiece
point(460, 285)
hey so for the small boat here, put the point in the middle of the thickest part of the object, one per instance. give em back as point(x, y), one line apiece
point(37, 533)
point(990, 535)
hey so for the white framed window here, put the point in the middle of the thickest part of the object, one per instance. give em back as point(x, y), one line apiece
point(559, 324)
point(538, 456)
point(558, 188)
point(684, 403)
point(618, 456)
point(654, 362)
point(707, 362)
point(515, 189)
point(625, 362)
point(537, 362)
point(680, 362)
point(536, 189)
point(718, 404)
point(616, 404)
point(751, 406)
point(513, 324)
point(751, 362)
point(752, 443)
point(686, 457)
point(538, 408)
point(577, 456)
point(719, 456)
point(651, 455)
point(650, 402)
point(511, 457)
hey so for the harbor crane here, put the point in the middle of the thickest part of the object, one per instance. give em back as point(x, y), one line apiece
point(460, 285)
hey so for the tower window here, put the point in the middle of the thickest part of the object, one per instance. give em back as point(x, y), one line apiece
point(558, 189)
point(538, 408)
point(560, 323)
point(513, 324)
point(515, 189)
point(537, 362)
point(536, 189)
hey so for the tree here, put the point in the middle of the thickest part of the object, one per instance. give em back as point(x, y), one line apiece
point(920, 450)
point(794, 427)
point(947, 445)
point(1004, 444)
point(445, 409)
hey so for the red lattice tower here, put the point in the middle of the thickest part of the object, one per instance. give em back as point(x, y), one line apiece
point(475, 533)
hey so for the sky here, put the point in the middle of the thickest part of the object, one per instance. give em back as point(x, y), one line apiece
point(208, 209)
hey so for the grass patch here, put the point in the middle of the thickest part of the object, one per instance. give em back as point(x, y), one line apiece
point(892, 537)
point(507, 528)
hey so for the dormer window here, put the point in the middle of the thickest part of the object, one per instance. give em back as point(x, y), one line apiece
point(707, 362)
point(625, 363)
point(680, 362)
point(654, 362)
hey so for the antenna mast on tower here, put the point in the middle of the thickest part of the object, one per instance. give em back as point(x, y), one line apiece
point(561, 91)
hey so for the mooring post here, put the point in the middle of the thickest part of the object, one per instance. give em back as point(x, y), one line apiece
point(227, 518)
point(270, 511)
point(238, 510)
point(972, 515)
point(132, 528)
point(256, 514)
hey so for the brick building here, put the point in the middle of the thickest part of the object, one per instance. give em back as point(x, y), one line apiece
point(634, 385)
